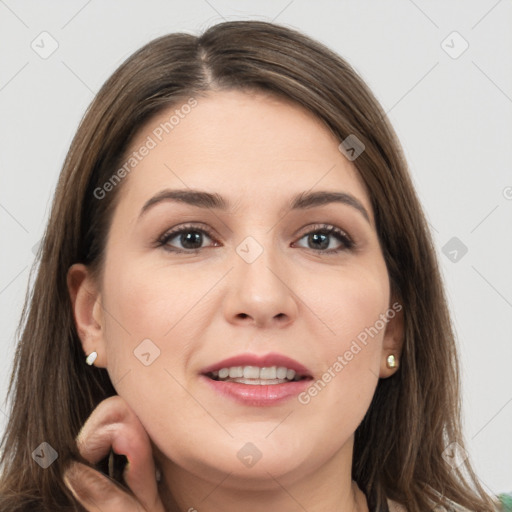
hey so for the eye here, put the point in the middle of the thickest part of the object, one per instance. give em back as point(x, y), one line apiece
point(190, 237)
point(321, 236)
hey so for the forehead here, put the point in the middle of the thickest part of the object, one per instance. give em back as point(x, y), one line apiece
point(238, 144)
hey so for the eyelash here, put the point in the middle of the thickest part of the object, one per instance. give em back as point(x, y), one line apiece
point(325, 229)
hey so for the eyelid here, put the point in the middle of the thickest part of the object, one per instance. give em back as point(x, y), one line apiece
point(324, 227)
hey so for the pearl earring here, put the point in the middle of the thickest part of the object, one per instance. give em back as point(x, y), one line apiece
point(391, 361)
point(91, 358)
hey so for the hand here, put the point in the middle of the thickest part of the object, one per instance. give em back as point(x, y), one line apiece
point(113, 425)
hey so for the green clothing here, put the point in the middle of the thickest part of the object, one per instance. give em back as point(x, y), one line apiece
point(506, 501)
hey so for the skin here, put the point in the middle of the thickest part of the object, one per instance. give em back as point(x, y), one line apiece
point(257, 151)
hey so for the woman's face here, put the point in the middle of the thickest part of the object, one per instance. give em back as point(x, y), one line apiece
point(253, 277)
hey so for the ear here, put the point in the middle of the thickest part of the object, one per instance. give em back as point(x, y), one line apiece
point(87, 311)
point(393, 339)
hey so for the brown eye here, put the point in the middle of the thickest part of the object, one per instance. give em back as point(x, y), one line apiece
point(190, 238)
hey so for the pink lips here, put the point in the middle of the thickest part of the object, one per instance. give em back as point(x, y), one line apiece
point(256, 394)
point(267, 360)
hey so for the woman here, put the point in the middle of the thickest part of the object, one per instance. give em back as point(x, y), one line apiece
point(236, 251)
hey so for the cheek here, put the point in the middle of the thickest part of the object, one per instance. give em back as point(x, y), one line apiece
point(352, 309)
point(143, 316)
point(149, 302)
point(149, 334)
point(351, 304)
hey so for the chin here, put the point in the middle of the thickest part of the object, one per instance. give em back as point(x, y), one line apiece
point(251, 460)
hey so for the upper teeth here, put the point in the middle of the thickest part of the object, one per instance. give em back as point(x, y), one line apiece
point(255, 372)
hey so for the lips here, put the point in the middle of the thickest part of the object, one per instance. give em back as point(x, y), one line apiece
point(250, 390)
point(262, 361)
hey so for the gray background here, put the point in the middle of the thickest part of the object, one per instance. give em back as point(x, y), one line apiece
point(452, 113)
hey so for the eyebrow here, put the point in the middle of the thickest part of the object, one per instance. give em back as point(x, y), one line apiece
point(302, 201)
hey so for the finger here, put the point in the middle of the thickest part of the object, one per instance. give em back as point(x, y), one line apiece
point(114, 425)
point(96, 493)
point(100, 430)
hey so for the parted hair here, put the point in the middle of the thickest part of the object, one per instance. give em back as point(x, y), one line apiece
point(414, 415)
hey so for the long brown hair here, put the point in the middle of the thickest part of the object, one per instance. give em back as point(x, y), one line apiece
point(414, 415)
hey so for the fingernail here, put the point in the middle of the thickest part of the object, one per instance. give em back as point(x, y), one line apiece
point(70, 476)
point(70, 471)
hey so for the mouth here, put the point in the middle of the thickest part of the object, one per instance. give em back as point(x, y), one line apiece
point(255, 375)
point(257, 380)
point(257, 369)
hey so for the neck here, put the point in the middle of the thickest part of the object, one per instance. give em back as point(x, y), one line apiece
point(325, 488)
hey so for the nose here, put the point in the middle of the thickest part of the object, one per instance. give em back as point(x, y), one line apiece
point(260, 292)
